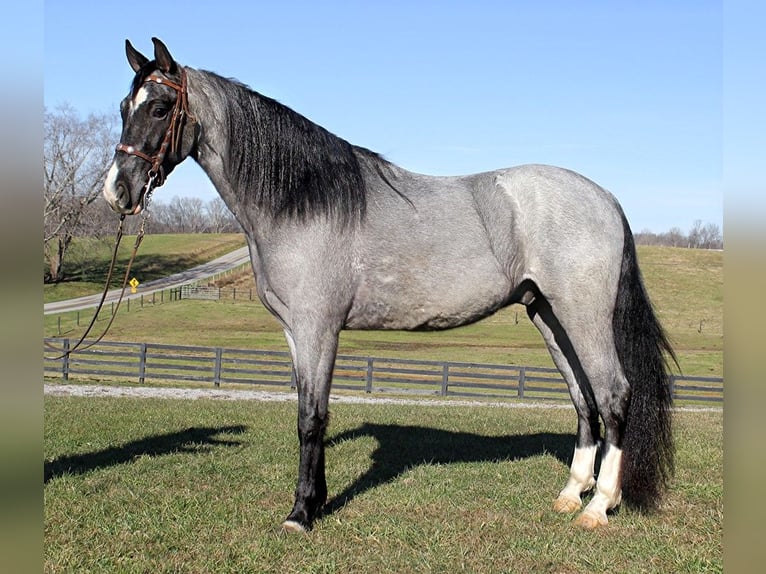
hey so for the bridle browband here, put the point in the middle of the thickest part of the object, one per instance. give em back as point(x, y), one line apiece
point(156, 173)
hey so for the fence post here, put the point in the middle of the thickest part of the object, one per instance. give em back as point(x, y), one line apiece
point(445, 379)
point(217, 370)
point(65, 361)
point(142, 364)
point(672, 383)
point(368, 378)
point(522, 380)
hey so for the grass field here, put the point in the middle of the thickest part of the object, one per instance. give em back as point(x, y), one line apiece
point(139, 485)
point(686, 286)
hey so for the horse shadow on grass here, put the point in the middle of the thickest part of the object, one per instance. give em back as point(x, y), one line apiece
point(401, 448)
point(191, 440)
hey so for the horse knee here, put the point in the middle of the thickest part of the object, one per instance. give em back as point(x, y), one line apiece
point(312, 426)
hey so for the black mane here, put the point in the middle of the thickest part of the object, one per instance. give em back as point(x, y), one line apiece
point(289, 165)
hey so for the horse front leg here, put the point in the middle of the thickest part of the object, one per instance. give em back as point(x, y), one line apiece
point(311, 490)
point(313, 365)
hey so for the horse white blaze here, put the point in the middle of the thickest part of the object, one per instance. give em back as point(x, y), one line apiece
point(608, 491)
point(141, 96)
point(110, 184)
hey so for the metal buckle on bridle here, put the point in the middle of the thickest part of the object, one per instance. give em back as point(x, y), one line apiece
point(153, 179)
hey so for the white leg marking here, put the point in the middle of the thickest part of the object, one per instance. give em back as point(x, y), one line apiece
point(580, 480)
point(608, 491)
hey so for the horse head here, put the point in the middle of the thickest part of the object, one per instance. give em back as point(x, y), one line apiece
point(158, 130)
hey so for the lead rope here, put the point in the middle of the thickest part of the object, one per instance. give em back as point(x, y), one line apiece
point(117, 239)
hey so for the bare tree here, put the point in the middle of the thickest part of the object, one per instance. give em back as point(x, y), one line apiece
point(675, 237)
point(711, 236)
point(77, 153)
point(646, 237)
point(187, 215)
point(695, 234)
point(220, 219)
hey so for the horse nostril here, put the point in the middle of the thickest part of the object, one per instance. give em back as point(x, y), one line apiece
point(123, 195)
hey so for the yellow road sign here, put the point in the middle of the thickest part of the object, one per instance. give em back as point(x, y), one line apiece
point(133, 285)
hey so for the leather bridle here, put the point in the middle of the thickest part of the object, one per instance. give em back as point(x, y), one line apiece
point(172, 139)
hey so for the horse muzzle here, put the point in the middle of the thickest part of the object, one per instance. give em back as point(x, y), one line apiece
point(119, 197)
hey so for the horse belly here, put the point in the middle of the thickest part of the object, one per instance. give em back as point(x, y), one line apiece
point(430, 298)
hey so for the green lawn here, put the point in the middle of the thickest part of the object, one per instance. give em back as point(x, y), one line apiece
point(142, 485)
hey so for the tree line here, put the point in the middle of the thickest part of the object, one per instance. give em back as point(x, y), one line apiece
point(77, 154)
point(700, 236)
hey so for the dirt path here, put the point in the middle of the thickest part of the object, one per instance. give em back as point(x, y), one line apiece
point(281, 396)
point(248, 395)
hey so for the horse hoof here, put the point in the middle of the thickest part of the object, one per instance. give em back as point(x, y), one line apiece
point(591, 520)
point(293, 527)
point(566, 505)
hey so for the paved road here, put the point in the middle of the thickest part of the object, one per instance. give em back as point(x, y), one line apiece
point(198, 273)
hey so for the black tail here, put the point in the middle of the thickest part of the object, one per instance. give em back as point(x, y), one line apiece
point(647, 445)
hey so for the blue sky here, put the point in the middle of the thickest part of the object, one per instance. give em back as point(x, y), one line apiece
point(628, 94)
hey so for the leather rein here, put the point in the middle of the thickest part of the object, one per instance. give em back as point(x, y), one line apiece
point(155, 178)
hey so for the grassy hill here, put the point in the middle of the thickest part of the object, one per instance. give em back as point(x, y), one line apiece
point(685, 285)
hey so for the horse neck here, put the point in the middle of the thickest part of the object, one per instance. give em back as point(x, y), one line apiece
point(209, 106)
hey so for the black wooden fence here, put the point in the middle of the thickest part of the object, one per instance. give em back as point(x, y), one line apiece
point(146, 363)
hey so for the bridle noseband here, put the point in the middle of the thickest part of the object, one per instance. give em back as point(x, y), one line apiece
point(156, 173)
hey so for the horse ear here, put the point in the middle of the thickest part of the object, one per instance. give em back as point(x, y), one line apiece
point(163, 58)
point(135, 58)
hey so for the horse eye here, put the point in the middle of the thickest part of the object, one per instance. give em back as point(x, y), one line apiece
point(159, 112)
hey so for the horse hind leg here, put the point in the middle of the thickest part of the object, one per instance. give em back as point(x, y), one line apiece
point(612, 393)
point(582, 470)
point(599, 390)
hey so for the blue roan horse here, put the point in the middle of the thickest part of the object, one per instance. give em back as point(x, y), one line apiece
point(340, 238)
